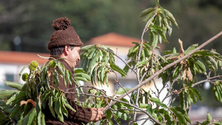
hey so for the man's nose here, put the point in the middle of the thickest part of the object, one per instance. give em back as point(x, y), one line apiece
point(78, 58)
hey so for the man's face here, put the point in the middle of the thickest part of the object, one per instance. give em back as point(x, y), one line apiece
point(73, 56)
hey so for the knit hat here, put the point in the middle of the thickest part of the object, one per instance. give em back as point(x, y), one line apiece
point(64, 34)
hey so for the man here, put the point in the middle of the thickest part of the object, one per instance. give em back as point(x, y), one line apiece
point(65, 43)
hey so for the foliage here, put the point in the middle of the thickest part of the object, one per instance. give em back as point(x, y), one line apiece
point(98, 62)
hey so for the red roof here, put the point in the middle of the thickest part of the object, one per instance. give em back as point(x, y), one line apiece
point(21, 57)
point(114, 39)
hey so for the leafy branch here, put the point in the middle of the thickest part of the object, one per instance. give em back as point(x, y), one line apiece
point(168, 66)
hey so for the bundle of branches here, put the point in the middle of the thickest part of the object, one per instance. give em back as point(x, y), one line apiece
point(24, 105)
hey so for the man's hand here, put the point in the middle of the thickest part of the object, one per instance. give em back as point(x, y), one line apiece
point(97, 114)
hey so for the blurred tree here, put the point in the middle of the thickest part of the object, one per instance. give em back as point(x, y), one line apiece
point(198, 23)
point(215, 3)
point(31, 20)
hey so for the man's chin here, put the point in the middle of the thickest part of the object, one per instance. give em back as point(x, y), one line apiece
point(74, 66)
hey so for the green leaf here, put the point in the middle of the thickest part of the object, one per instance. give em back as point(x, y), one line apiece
point(92, 52)
point(43, 118)
point(171, 17)
point(15, 85)
point(64, 110)
point(132, 51)
point(179, 116)
point(160, 31)
point(142, 105)
point(122, 115)
point(213, 61)
point(6, 94)
point(11, 99)
point(217, 89)
point(176, 71)
point(218, 123)
point(196, 92)
point(38, 110)
point(80, 72)
point(209, 118)
point(116, 119)
point(142, 63)
point(149, 109)
point(184, 113)
point(146, 12)
point(122, 91)
point(158, 102)
point(200, 66)
point(66, 103)
point(31, 117)
point(92, 63)
point(205, 123)
point(214, 91)
point(14, 111)
point(108, 114)
point(69, 78)
point(163, 36)
point(118, 69)
point(39, 118)
point(154, 41)
point(174, 50)
point(134, 123)
point(191, 48)
point(148, 17)
point(86, 48)
point(81, 79)
point(59, 110)
point(168, 118)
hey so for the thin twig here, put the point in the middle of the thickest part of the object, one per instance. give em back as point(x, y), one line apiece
point(154, 78)
point(11, 119)
point(144, 31)
point(170, 90)
point(117, 57)
point(117, 81)
point(167, 79)
point(125, 91)
point(144, 122)
point(138, 59)
point(206, 80)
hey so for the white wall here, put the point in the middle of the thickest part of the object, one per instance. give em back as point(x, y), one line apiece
point(12, 69)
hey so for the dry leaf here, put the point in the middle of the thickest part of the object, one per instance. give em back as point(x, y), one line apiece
point(28, 101)
point(184, 74)
point(48, 73)
point(189, 74)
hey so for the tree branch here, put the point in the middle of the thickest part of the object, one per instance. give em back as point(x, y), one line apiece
point(138, 59)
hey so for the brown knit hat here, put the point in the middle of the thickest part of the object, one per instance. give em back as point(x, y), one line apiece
point(64, 34)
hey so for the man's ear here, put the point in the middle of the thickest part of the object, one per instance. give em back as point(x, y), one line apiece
point(66, 50)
